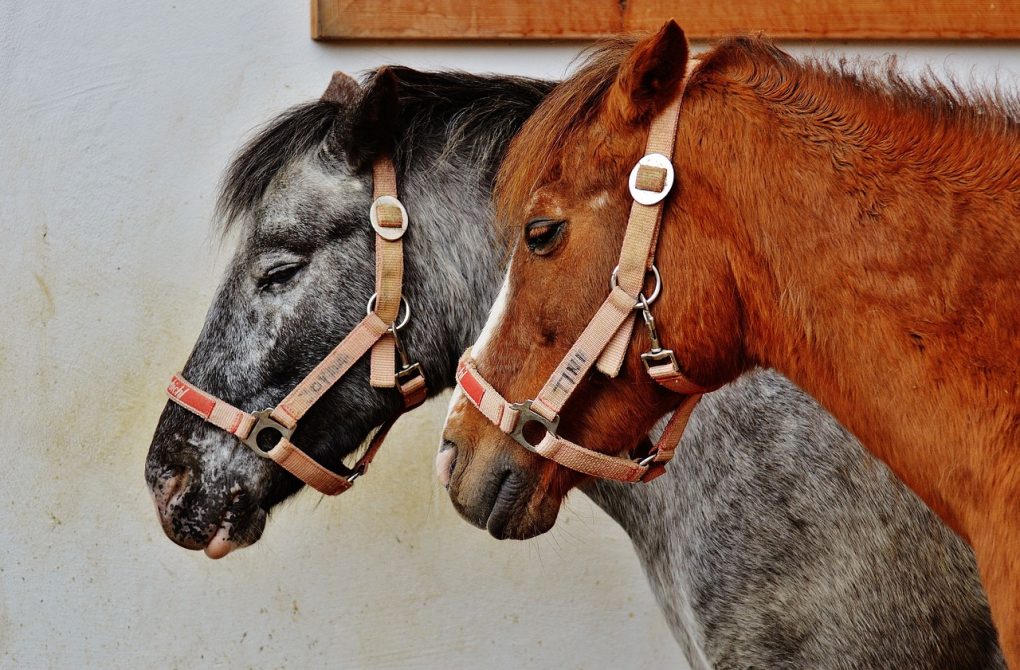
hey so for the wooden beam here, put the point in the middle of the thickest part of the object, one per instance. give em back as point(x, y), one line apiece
point(701, 19)
point(464, 19)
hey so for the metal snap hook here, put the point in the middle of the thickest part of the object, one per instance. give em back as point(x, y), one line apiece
point(403, 303)
point(643, 302)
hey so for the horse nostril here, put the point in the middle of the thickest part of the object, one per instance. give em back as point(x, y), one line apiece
point(167, 488)
point(446, 460)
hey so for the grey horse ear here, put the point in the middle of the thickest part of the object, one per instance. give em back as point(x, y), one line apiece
point(342, 89)
point(374, 123)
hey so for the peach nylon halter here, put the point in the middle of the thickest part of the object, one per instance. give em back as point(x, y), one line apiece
point(378, 331)
point(604, 341)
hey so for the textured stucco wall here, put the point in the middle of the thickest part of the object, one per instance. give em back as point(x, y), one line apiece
point(115, 121)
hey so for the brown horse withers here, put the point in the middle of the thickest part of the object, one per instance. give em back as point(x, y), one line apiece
point(859, 233)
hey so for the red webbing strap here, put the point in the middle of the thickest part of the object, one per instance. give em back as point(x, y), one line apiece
point(221, 414)
point(227, 417)
point(671, 378)
point(389, 271)
point(483, 396)
point(667, 443)
point(329, 370)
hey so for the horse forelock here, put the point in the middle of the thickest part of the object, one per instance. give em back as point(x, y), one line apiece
point(533, 152)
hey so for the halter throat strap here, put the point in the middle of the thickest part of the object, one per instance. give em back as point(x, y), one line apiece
point(268, 433)
point(606, 338)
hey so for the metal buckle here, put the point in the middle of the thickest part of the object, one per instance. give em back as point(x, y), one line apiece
point(651, 197)
point(654, 358)
point(407, 373)
point(642, 302)
point(264, 421)
point(527, 415)
point(384, 232)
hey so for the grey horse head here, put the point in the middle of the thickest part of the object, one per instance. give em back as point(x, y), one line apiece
point(298, 195)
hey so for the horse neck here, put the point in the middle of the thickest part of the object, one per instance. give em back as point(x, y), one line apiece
point(873, 264)
point(446, 163)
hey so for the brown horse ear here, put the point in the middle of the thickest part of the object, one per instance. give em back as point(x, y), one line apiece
point(652, 74)
point(374, 123)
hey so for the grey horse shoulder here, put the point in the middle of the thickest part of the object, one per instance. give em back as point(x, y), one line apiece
point(777, 541)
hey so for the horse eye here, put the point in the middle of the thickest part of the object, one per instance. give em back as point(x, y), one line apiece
point(541, 235)
point(280, 274)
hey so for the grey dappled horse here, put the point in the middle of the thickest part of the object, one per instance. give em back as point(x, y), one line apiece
point(774, 541)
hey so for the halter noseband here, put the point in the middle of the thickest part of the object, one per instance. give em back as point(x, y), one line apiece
point(378, 331)
point(605, 339)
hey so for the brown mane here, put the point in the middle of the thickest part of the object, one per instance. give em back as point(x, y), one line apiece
point(814, 89)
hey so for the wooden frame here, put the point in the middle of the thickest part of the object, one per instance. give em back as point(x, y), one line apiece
point(701, 19)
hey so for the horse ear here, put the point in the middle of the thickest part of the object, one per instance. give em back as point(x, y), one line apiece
point(374, 122)
point(342, 89)
point(652, 74)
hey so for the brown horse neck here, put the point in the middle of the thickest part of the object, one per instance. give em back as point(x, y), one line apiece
point(874, 249)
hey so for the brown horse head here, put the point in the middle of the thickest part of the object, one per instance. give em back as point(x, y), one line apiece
point(563, 191)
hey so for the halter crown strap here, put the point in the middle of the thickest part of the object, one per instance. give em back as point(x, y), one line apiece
point(378, 331)
point(604, 341)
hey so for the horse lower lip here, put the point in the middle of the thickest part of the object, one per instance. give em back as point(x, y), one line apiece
point(220, 545)
point(502, 508)
point(235, 531)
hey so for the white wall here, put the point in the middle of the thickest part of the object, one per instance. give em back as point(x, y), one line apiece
point(115, 121)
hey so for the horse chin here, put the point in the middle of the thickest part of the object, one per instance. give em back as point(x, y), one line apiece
point(211, 498)
point(507, 502)
point(231, 535)
point(239, 525)
point(521, 517)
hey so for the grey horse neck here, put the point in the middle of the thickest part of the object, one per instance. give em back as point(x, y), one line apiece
point(776, 541)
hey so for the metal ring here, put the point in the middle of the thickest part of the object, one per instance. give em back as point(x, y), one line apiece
point(403, 302)
point(643, 302)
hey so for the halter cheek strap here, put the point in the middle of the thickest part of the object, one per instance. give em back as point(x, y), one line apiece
point(605, 339)
point(378, 332)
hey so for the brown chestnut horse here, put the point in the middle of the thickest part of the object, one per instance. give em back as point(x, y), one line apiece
point(860, 233)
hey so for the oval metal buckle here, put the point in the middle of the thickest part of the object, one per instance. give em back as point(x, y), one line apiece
point(527, 415)
point(390, 232)
point(263, 421)
point(659, 162)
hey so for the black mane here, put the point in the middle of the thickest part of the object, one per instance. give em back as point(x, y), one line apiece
point(450, 107)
